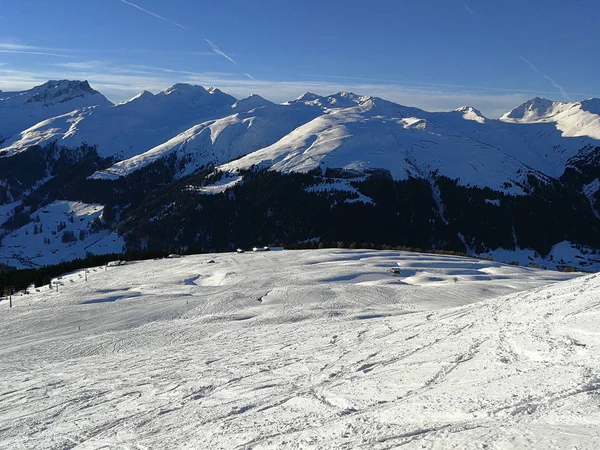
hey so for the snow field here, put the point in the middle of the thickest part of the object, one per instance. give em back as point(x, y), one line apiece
point(304, 349)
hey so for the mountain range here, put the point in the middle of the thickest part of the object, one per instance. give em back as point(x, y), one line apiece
point(196, 169)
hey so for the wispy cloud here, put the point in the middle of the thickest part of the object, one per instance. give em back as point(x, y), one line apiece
point(10, 47)
point(532, 66)
point(25, 52)
point(82, 65)
point(153, 14)
point(250, 76)
point(425, 85)
point(120, 83)
point(468, 8)
point(218, 51)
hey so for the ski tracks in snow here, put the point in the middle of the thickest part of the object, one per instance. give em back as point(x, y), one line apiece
point(363, 361)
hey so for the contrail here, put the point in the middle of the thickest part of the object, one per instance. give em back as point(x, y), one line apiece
point(218, 51)
point(468, 8)
point(158, 16)
point(564, 93)
point(250, 76)
point(529, 63)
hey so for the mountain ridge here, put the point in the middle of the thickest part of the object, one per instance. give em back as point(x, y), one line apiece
point(188, 144)
point(18, 109)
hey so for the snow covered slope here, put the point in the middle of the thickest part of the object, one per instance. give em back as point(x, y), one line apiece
point(129, 128)
point(314, 349)
point(572, 119)
point(461, 145)
point(562, 255)
point(256, 124)
point(21, 110)
point(343, 130)
point(60, 231)
point(340, 100)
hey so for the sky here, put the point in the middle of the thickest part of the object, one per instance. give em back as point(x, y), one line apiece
point(432, 54)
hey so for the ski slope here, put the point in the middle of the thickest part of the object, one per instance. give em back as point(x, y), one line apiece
point(305, 349)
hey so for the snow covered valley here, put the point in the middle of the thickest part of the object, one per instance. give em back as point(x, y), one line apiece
point(303, 349)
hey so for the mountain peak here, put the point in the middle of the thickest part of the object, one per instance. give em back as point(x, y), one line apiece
point(214, 90)
point(66, 84)
point(252, 102)
point(349, 96)
point(532, 109)
point(62, 91)
point(467, 109)
point(572, 119)
point(538, 102)
point(219, 95)
point(471, 113)
point(345, 94)
point(143, 97)
point(308, 97)
point(186, 95)
point(185, 89)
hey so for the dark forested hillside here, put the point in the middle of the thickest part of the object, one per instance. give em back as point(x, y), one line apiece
point(270, 207)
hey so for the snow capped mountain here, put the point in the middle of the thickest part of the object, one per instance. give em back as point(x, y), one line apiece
point(129, 128)
point(576, 119)
point(191, 96)
point(206, 127)
point(21, 110)
point(66, 135)
point(531, 110)
point(250, 103)
point(258, 124)
point(409, 142)
point(54, 92)
point(470, 113)
point(340, 100)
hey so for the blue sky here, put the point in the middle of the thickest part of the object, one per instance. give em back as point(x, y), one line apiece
point(434, 54)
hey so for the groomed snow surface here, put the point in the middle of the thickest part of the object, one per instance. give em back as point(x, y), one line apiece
point(305, 349)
